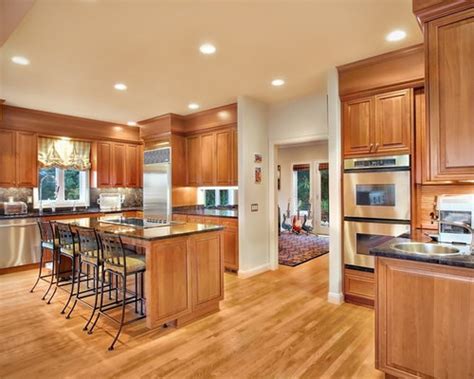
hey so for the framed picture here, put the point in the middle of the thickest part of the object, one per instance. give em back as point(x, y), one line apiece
point(258, 158)
point(258, 175)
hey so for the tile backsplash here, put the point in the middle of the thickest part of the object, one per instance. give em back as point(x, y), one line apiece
point(133, 196)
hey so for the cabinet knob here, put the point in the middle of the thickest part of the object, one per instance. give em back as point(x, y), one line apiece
point(376, 147)
point(370, 147)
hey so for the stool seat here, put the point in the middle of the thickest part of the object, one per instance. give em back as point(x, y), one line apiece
point(50, 244)
point(90, 256)
point(68, 250)
point(134, 263)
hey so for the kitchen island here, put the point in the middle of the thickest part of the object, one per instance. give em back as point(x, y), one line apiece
point(184, 267)
point(424, 310)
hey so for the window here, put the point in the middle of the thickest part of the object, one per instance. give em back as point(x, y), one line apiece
point(302, 187)
point(324, 193)
point(62, 188)
point(215, 197)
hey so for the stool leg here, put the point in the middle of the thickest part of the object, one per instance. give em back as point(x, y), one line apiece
point(136, 292)
point(96, 297)
point(100, 304)
point(56, 265)
point(124, 289)
point(71, 293)
point(78, 286)
point(141, 293)
point(40, 269)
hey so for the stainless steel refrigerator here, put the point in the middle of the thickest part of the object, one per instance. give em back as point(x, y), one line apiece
point(157, 182)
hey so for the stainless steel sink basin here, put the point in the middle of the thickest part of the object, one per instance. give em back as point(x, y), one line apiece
point(426, 249)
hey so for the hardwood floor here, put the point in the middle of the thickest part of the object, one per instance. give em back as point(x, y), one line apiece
point(277, 324)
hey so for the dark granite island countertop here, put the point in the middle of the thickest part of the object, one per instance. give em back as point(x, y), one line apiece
point(150, 234)
point(200, 211)
point(184, 276)
point(67, 212)
point(388, 251)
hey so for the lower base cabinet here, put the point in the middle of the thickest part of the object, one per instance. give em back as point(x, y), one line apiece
point(424, 319)
point(359, 287)
point(230, 236)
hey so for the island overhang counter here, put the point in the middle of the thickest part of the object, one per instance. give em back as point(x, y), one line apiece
point(184, 278)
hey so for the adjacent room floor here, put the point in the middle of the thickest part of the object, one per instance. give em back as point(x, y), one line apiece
point(295, 249)
point(277, 324)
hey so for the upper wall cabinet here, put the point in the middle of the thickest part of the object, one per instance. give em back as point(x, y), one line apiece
point(18, 159)
point(212, 158)
point(379, 124)
point(449, 41)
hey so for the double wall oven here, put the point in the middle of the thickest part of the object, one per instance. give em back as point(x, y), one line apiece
point(376, 205)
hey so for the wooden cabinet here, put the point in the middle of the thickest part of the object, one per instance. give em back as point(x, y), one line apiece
point(117, 165)
point(235, 159)
point(359, 287)
point(208, 159)
point(193, 160)
point(424, 319)
point(18, 159)
point(450, 89)
point(212, 158)
point(379, 124)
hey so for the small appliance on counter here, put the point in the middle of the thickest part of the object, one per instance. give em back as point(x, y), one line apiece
point(110, 201)
point(15, 208)
point(457, 209)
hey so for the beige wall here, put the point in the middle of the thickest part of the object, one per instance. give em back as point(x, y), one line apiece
point(287, 156)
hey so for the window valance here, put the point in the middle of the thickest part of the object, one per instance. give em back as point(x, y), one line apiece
point(64, 154)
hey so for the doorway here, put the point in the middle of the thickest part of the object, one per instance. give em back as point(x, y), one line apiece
point(321, 197)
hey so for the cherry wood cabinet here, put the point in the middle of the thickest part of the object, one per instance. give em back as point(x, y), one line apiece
point(18, 159)
point(359, 287)
point(449, 44)
point(211, 158)
point(379, 124)
point(235, 159)
point(424, 319)
point(117, 165)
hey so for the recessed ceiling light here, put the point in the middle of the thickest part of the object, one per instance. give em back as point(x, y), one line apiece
point(207, 48)
point(20, 60)
point(277, 82)
point(396, 35)
point(120, 86)
point(193, 106)
point(131, 123)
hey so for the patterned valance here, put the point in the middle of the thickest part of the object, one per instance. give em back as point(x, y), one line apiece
point(64, 154)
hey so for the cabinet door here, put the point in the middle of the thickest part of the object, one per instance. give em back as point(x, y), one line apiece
point(132, 166)
point(357, 126)
point(104, 164)
point(235, 158)
point(231, 243)
point(224, 157)
point(7, 158)
point(193, 149)
point(118, 165)
point(393, 122)
point(451, 93)
point(26, 159)
point(208, 159)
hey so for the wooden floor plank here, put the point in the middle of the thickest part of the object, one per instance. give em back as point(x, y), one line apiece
point(277, 325)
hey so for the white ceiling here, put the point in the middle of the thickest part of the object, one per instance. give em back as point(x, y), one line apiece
point(79, 48)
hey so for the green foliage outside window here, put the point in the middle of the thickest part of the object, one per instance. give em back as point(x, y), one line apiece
point(72, 186)
point(303, 188)
point(325, 195)
point(210, 198)
point(49, 184)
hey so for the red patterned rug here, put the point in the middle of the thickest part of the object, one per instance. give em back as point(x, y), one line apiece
point(295, 249)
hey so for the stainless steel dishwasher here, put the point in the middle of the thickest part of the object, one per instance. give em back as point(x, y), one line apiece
point(19, 242)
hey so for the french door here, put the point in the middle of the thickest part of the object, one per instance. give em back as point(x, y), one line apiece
point(321, 196)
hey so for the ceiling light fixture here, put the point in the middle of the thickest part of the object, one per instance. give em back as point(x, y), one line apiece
point(20, 60)
point(131, 123)
point(277, 82)
point(207, 48)
point(396, 35)
point(120, 86)
point(193, 106)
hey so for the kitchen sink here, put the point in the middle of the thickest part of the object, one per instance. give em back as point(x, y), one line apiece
point(426, 249)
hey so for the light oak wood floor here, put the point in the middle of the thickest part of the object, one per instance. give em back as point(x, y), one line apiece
point(277, 324)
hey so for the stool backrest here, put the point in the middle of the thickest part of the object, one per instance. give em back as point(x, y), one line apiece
point(65, 235)
point(112, 249)
point(46, 231)
point(88, 240)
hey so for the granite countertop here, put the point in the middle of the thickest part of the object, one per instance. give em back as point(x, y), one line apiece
point(386, 250)
point(149, 234)
point(66, 211)
point(200, 211)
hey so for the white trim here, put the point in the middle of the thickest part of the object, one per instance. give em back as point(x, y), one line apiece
point(318, 228)
point(335, 297)
point(254, 271)
point(272, 189)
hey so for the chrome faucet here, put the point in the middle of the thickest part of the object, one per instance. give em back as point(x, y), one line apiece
point(462, 225)
point(41, 191)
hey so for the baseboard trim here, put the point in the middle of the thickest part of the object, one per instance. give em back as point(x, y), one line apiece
point(254, 271)
point(336, 297)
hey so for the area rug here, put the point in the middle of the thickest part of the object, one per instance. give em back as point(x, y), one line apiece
point(295, 249)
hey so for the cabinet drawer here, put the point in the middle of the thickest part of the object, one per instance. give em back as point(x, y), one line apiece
point(179, 217)
point(359, 287)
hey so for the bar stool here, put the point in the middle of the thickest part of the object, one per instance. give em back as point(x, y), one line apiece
point(89, 255)
point(121, 264)
point(49, 242)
